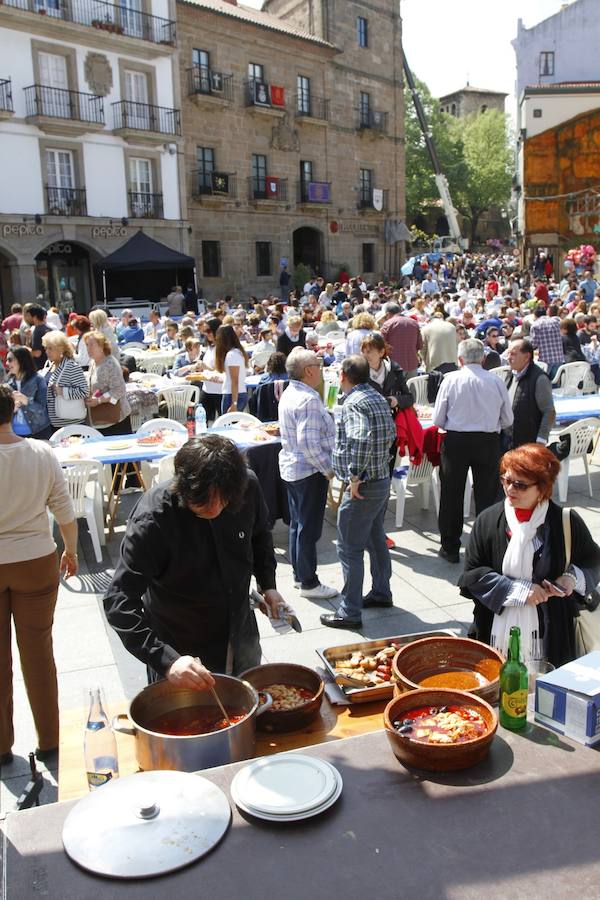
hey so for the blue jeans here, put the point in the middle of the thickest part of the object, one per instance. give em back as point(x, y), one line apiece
point(241, 402)
point(360, 528)
point(307, 498)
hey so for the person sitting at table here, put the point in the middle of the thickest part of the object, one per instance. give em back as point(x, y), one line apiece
point(153, 330)
point(190, 360)
point(64, 378)
point(517, 568)
point(123, 322)
point(30, 395)
point(264, 342)
point(131, 333)
point(326, 323)
point(31, 482)
point(107, 385)
point(179, 597)
point(275, 370)
point(231, 361)
point(293, 336)
point(170, 339)
point(570, 341)
point(361, 325)
point(82, 325)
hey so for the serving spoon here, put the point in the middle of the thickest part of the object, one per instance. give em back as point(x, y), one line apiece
point(216, 698)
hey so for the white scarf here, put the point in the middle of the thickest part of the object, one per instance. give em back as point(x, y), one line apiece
point(379, 375)
point(518, 563)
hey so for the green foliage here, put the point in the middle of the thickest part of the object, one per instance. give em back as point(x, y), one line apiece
point(301, 275)
point(489, 162)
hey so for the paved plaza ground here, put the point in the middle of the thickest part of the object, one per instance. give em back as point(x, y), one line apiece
point(88, 653)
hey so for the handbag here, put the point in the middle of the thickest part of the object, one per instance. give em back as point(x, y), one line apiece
point(587, 623)
point(69, 409)
point(105, 413)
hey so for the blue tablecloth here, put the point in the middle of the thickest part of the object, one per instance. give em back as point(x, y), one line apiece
point(571, 409)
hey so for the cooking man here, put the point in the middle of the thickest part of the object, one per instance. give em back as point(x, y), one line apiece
point(180, 590)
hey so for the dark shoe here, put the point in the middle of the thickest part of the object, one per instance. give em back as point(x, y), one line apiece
point(333, 620)
point(373, 600)
point(6, 758)
point(450, 557)
point(47, 755)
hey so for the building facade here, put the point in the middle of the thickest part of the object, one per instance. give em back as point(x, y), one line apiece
point(293, 146)
point(90, 133)
point(471, 100)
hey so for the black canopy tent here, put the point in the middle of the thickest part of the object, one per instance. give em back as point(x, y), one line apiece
point(142, 254)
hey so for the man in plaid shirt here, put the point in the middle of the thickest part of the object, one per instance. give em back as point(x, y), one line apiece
point(546, 338)
point(361, 460)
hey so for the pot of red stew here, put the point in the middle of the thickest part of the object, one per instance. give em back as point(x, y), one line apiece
point(184, 730)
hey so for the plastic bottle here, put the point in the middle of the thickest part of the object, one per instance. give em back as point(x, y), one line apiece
point(190, 422)
point(99, 745)
point(201, 426)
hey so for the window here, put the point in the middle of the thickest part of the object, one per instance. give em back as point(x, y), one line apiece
point(200, 58)
point(255, 72)
point(131, 17)
point(201, 64)
point(306, 176)
point(144, 203)
point(211, 259)
point(547, 62)
point(259, 175)
point(362, 32)
point(60, 173)
point(453, 109)
point(368, 258)
point(137, 111)
point(303, 99)
point(364, 109)
point(205, 157)
point(366, 187)
point(537, 114)
point(263, 258)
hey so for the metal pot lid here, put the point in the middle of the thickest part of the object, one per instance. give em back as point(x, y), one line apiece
point(146, 824)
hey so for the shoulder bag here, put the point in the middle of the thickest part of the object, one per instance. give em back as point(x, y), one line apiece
point(104, 414)
point(69, 409)
point(587, 623)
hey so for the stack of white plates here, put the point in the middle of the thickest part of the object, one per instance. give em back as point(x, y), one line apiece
point(286, 788)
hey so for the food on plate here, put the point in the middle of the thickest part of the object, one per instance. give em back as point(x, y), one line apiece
point(193, 720)
point(151, 439)
point(271, 428)
point(441, 724)
point(260, 436)
point(459, 679)
point(288, 696)
point(369, 669)
point(119, 445)
point(174, 441)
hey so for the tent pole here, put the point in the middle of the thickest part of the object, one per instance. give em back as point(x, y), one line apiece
point(104, 285)
point(195, 282)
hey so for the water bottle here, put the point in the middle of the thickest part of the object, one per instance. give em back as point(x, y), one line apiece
point(99, 745)
point(201, 426)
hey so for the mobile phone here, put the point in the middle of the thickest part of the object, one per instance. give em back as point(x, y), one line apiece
point(557, 590)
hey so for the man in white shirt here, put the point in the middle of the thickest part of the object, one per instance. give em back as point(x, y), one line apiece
point(429, 285)
point(472, 407)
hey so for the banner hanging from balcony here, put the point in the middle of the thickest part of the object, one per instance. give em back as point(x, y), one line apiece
point(318, 191)
point(261, 93)
point(220, 182)
point(277, 95)
point(216, 82)
point(377, 199)
point(272, 186)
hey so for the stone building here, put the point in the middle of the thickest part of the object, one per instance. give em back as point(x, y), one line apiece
point(293, 139)
point(469, 100)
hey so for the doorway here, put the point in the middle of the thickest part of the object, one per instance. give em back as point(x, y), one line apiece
point(308, 248)
point(6, 287)
point(62, 276)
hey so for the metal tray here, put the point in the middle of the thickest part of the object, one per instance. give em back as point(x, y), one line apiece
point(329, 655)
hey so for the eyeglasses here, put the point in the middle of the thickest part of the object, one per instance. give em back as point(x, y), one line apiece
point(517, 485)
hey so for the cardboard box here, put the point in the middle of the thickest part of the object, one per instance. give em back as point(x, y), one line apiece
point(568, 699)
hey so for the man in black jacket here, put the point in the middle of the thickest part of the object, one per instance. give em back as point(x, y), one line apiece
point(180, 590)
point(530, 393)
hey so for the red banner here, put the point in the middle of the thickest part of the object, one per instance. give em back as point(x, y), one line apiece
point(272, 187)
point(277, 96)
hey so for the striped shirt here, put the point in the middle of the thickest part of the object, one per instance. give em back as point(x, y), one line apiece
point(71, 378)
point(365, 434)
point(307, 433)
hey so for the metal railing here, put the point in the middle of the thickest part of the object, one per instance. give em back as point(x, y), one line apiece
point(62, 201)
point(266, 188)
point(373, 119)
point(257, 93)
point(202, 80)
point(313, 192)
point(143, 205)
point(145, 117)
point(214, 184)
point(103, 16)
point(6, 95)
point(312, 107)
point(59, 103)
point(365, 200)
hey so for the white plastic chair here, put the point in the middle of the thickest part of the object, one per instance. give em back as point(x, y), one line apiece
point(542, 365)
point(178, 399)
point(83, 431)
point(132, 345)
point(499, 371)
point(589, 383)
point(228, 420)
point(417, 476)
point(152, 366)
point(570, 378)
point(159, 471)
point(83, 480)
point(582, 433)
point(418, 388)
point(150, 469)
point(156, 424)
point(148, 377)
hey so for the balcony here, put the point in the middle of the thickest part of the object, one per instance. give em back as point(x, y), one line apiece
point(6, 102)
point(214, 187)
point(143, 123)
point(260, 96)
point(209, 88)
point(372, 122)
point(116, 23)
point(267, 189)
point(375, 200)
point(60, 111)
point(314, 193)
point(143, 205)
point(63, 201)
point(311, 109)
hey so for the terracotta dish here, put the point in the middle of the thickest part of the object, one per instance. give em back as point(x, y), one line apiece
point(449, 663)
point(282, 720)
point(438, 757)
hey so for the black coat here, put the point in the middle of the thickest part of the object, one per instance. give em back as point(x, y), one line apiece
point(182, 583)
point(485, 554)
point(572, 349)
point(394, 385)
point(285, 345)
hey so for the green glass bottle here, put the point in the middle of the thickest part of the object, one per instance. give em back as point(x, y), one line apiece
point(513, 685)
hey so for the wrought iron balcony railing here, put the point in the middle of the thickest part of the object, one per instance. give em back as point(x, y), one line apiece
point(59, 103)
point(202, 80)
point(63, 201)
point(6, 102)
point(214, 184)
point(313, 192)
point(372, 119)
point(143, 205)
point(145, 117)
point(311, 107)
point(266, 187)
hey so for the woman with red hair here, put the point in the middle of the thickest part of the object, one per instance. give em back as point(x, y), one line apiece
point(528, 561)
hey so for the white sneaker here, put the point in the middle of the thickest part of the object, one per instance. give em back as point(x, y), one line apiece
point(320, 592)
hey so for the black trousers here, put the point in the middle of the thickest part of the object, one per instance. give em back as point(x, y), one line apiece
point(211, 404)
point(461, 451)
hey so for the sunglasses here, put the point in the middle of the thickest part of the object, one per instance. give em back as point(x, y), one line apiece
point(517, 485)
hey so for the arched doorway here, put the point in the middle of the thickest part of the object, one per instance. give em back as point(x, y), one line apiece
point(6, 285)
point(63, 276)
point(308, 248)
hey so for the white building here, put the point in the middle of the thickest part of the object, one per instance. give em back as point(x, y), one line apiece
point(89, 140)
